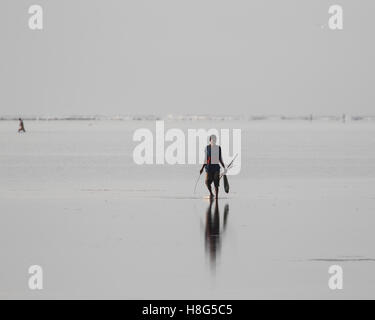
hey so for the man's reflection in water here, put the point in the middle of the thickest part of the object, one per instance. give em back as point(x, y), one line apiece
point(213, 232)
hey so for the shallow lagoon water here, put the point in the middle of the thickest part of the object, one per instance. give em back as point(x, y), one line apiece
point(73, 201)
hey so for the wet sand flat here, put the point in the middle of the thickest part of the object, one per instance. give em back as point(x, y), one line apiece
point(73, 201)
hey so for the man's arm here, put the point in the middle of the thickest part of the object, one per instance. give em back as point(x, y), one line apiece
point(205, 161)
point(201, 170)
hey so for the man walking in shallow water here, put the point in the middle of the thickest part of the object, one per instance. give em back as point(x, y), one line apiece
point(21, 127)
point(212, 166)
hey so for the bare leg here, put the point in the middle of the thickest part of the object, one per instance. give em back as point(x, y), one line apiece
point(210, 190)
point(211, 194)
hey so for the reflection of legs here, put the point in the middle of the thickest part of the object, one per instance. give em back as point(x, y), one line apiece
point(209, 227)
point(216, 220)
point(208, 217)
point(226, 214)
point(212, 238)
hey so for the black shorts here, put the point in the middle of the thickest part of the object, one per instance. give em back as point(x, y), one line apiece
point(213, 177)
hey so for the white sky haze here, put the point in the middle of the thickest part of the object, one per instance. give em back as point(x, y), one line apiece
point(186, 57)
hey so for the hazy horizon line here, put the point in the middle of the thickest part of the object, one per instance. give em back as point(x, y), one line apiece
point(191, 117)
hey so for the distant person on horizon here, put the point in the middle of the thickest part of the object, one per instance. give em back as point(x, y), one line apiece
point(22, 127)
point(212, 166)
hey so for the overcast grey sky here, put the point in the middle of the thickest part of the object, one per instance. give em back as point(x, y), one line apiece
point(186, 56)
